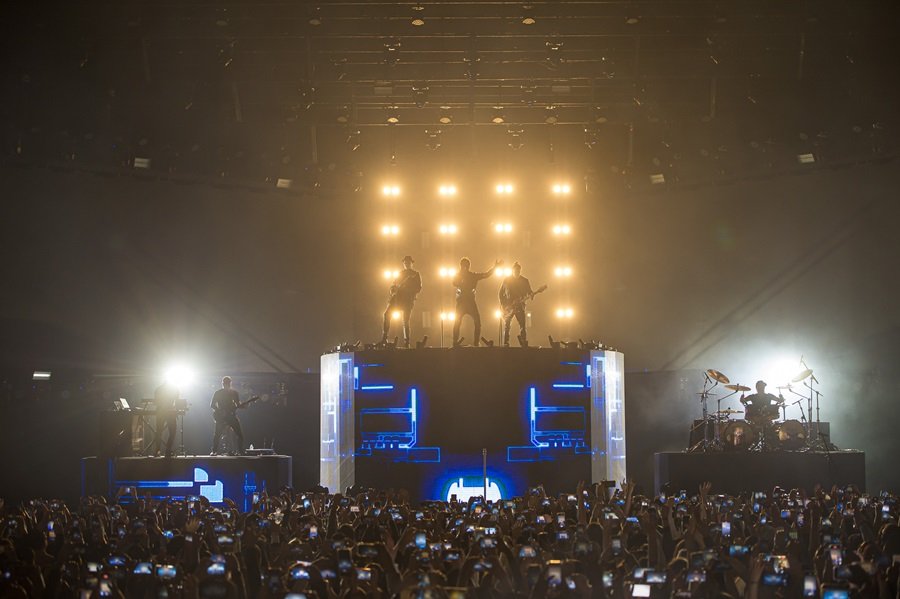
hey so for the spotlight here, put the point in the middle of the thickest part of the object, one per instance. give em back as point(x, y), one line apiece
point(396, 314)
point(448, 229)
point(503, 228)
point(390, 190)
point(417, 20)
point(562, 230)
point(504, 188)
point(447, 190)
point(552, 116)
point(498, 118)
point(498, 314)
point(565, 313)
point(445, 118)
point(657, 179)
point(41, 375)
point(446, 272)
point(391, 274)
point(562, 188)
point(390, 230)
point(393, 115)
point(179, 375)
point(563, 271)
point(806, 158)
point(528, 15)
point(451, 316)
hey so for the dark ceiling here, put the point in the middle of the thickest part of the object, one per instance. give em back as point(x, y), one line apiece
point(249, 92)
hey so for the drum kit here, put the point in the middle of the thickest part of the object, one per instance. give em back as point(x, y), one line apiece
point(765, 426)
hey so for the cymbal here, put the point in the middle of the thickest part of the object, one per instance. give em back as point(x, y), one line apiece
point(715, 374)
point(802, 376)
point(729, 411)
point(737, 387)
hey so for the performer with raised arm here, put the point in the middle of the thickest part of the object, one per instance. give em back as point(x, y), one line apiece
point(404, 290)
point(515, 291)
point(465, 282)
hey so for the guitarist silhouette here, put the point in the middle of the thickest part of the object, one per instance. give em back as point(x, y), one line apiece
point(225, 404)
point(515, 291)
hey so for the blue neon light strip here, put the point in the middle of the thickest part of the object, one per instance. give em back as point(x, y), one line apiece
point(571, 363)
point(355, 378)
point(169, 484)
point(568, 386)
point(377, 387)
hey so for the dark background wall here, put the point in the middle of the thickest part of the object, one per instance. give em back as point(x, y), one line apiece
point(116, 275)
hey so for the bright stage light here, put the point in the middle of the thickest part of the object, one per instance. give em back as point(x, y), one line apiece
point(179, 375)
point(446, 272)
point(563, 271)
point(504, 188)
point(503, 228)
point(451, 316)
point(498, 314)
point(503, 271)
point(396, 314)
point(391, 274)
point(561, 188)
point(779, 372)
point(390, 230)
point(565, 313)
point(448, 229)
point(447, 190)
point(562, 230)
point(390, 190)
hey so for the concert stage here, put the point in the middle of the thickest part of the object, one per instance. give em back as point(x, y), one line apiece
point(734, 472)
point(420, 419)
point(214, 477)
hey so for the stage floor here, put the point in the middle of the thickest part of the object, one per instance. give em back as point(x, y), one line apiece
point(735, 472)
point(214, 477)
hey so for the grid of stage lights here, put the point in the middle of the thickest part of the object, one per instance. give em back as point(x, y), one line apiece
point(447, 190)
point(504, 188)
point(503, 228)
point(565, 313)
point(562, 230)
point(448, 229)
point(390, 230)
point(390, 275)
point(563, 271)
point(451, 316)
point(390, 191)
point(446, 272)
point(561, 189)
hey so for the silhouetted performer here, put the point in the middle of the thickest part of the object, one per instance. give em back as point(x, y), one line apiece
point(761, 405)
point(465, 282)
point(166, 399)
point(225, 403)
point(514, 292)
point(404, 290)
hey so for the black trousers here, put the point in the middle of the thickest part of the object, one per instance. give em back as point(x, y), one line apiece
point(222, 425)
point(463, 307)
point(165, 421)
point(519, 313)
point(405, 308)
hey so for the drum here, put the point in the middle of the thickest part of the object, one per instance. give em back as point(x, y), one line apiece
point(739, 435)
point(760, 414)
point(790, 434)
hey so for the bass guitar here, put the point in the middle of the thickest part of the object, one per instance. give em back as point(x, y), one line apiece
point(511, 306)
point(226, 412)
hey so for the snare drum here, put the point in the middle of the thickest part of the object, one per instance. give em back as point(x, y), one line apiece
point(791, 434)
point(739, 435)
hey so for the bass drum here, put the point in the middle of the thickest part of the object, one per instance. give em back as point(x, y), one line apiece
point(739, 435)
point(791, 434)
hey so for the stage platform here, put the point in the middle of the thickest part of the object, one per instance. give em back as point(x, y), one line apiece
point(421, 419)
point(213, 477)
point(735, 472)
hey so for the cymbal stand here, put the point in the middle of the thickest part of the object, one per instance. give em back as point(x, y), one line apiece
point(704, 397)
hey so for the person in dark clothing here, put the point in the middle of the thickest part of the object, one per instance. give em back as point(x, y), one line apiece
point(514, 292)
point(465, 282)
point(761, 406)
point(404, 290)
point(225, 403)
point(166, 399)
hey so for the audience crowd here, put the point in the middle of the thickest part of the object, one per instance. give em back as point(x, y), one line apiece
point(595, 541)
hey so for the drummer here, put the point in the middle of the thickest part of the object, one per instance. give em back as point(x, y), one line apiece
point(762, 405)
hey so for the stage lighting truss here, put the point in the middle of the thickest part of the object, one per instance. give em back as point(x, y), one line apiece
point(562, 230)
point(447, 190)
point(390, 275)
point(563, 272)
point(447, 229)
point(446, 272)
point(390, 191)
point(503, 228)
point(390, 230)
point(503, 188)
point(565, 313)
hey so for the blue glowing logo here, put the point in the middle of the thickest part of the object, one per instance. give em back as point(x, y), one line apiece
point(553, 429)
point(394, 432)
point(214, 492)
point(464, 492)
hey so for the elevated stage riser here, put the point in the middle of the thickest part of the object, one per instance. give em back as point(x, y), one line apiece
point(420, 419)
point(215, 478)
point(735, 472)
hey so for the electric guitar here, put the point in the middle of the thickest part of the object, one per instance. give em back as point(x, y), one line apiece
point(225, 412)
point(511, 306)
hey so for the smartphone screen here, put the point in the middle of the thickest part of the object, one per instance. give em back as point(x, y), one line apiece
point(810, 586)
point(726, 529)
point(640, 590)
